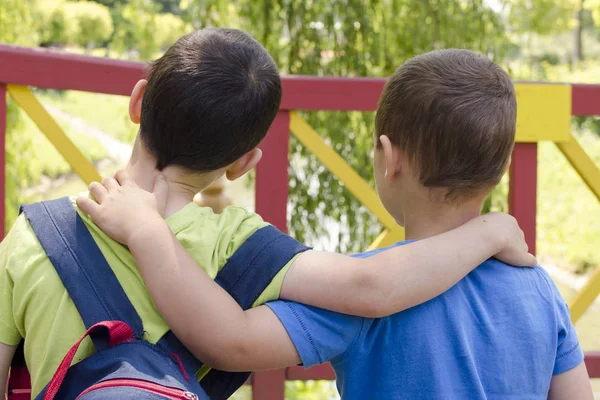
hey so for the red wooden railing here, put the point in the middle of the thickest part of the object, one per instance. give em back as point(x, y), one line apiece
point(48, 69)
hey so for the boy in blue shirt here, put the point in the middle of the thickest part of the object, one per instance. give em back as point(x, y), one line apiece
point(444, 133)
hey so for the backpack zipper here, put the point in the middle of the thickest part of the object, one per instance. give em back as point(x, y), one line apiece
point(168, 392)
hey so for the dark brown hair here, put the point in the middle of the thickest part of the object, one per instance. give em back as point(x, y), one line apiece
point(210, 99)
point(454, 113)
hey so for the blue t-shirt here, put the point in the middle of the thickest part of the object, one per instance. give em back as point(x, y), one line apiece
point(499, 333)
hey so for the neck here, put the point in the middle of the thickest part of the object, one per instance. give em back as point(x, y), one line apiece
point(182, 186)
point(423, 218)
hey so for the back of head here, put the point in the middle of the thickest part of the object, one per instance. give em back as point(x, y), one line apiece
point(209, 100)
point(453, 112)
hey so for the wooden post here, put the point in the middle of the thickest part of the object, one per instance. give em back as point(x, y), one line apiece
point(522, 195)
point(272, 173)
point(271, 204)
point(3, 132)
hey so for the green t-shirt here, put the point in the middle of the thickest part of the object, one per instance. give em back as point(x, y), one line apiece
point(34, 304)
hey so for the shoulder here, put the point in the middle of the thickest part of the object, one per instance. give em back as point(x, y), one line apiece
point(21, 240)
point(236, 222)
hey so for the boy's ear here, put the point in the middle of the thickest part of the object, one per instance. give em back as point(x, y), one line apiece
point(244, 164)
point(392, 157)
point(135, 101)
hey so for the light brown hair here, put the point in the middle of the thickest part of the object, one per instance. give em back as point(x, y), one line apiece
point(454, 114)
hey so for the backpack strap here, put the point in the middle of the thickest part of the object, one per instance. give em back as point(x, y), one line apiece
point(83, 270)
point(245, 277)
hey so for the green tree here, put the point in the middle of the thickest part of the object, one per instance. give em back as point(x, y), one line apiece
point(93, 23)
point(542, 16)
point(53, 25)
point(135, 25)
point(347, 38)
point(168, 28)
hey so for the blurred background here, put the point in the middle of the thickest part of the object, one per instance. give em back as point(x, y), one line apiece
point(535, 40)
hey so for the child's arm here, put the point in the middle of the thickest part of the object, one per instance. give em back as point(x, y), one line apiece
point(226, 337)
point(6, 355)
point(405, 276)
point(571, 385)
point(386, 283)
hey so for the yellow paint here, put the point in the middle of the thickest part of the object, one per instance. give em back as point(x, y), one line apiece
point(392, 237)
point(336, 164)
point(587, 169)
point(582, 163)
point(543, 112)
point(377, 242)
point(30, 104)
point(586, 296)
point(386, 238)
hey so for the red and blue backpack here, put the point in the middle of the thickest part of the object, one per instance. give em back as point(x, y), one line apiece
point(125, 366)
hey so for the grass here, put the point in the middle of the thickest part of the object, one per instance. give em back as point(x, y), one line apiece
point(46, 159)
point(568, 212)
point(106, 112)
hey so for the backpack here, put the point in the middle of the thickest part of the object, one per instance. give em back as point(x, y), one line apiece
point(124, 365)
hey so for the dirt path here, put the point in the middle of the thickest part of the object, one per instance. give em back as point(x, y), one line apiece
point(116, 149)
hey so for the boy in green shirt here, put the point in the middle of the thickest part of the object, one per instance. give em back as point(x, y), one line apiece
point(205, 107)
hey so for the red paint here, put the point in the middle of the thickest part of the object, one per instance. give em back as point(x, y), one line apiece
point(585, 100)
point(272, 173)
point(60, 70)
point(3, 132)
point(20, 395)
point(319, 372)
point(592, 362)
point(522, 195)
point(330, 93)
point(19, 383)
point(268, 385)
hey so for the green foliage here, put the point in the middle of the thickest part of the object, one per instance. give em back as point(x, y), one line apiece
point(310, 390)
point(167, 29)
point(16, 23)
point(134, 28)
point(30, 156)
point(52, 22)
point(92, 23)
point(16, 26)
point(542, 16)
point(107, 113)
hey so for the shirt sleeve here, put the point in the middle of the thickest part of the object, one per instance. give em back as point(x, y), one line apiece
point(9, 333)
point(318, 335)
point(568, 351)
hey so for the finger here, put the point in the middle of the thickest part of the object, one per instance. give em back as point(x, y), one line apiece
point(110, 184)
point(88, 206)
point(161, 191)
point(98, 191)
point(124, 178)
point(532, 260)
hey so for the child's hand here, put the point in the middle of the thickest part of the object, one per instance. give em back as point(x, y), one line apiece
point(514, 249)
point(122, 208)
